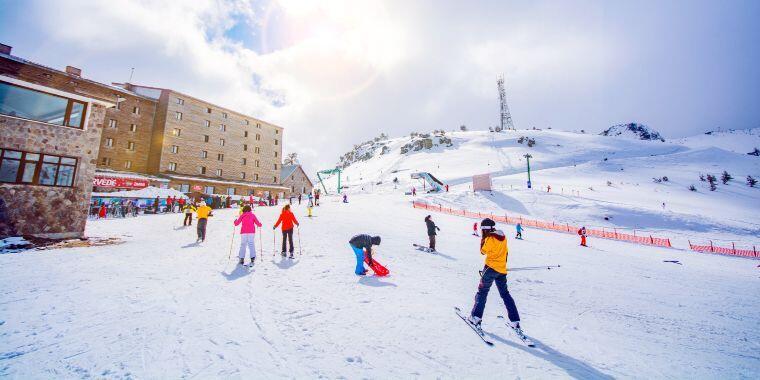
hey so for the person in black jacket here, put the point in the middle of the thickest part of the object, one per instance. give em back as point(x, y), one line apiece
point(431, 228)
point(362, 244)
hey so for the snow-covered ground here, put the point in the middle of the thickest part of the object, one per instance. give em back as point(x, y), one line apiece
point(159, 306)
point(597, 181)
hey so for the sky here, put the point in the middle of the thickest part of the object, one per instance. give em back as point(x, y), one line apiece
point(336, 73)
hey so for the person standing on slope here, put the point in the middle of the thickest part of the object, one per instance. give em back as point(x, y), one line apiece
point(203, 212)
point(249, 223)
point(362, 245)
point(582, 232)
point(431, 228)
point(287, 219)
point(493, 245)
point(188, 209)
point(475, 229)
point(519, 229)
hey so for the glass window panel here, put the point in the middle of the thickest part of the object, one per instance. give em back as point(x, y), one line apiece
point(30, 104)
point(51, 159)
point(9, 170)
point(67, 161)
point(12, 154)
point(77, 112)
point(32, 157)
point(47, 174)
point(65, 175)
point(28, 175)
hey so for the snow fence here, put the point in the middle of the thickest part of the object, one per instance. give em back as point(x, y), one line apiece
point(603, 233)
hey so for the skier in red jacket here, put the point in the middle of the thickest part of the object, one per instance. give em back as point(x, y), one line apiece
point(582, 232)
point(287, 219)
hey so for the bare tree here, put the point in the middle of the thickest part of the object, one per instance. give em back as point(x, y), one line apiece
point(291, 159)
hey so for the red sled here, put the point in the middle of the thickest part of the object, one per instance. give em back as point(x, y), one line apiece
point(380, 271)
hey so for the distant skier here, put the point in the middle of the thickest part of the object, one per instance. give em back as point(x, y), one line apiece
point(310, 207)
point(414, 192)
point(493, 245)
point(362, 245)
point(203, 212)
point(519, 229)
point(447, 187)
point(288, 220)
point(582, 232)
point(249, 223)
point(316, 198)
point(188, 209)
point(431, 228)
point(299, 199)
point(345, 198)
point(475, 229)
point(102, 211)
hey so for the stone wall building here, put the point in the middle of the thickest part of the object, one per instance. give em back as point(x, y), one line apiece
point(296, 180)
point(51, 123)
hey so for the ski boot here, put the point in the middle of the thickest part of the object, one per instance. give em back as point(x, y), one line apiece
point(241, 261)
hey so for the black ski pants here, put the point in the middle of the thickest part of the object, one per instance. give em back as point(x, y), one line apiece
point(188, 219)
point(202, 228)
point(287, 236)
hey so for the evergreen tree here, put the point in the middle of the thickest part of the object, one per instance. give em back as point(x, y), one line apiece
point(751, 181)
point(711, 180)
point(725, 177)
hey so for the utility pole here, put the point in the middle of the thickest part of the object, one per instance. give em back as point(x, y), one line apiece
point(506, 116)
point(527, 159)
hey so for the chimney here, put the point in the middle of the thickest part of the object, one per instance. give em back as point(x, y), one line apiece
point(71, 70)
point(5, 49)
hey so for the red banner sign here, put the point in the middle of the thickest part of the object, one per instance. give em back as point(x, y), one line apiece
point(197, 188)
point(120, 183)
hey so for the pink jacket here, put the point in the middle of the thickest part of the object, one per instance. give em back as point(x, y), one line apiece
point(249, 221)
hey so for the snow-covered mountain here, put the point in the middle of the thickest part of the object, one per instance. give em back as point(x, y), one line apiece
point(633, 130)
point(604, 181)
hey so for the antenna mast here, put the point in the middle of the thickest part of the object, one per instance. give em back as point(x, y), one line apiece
point(506, 117)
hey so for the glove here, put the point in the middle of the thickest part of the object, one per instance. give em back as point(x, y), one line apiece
point(274, 228)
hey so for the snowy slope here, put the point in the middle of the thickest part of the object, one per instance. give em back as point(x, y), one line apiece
point(158, 306)
point(591, 177)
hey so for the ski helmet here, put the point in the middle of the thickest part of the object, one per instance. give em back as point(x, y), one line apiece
point(487, 224)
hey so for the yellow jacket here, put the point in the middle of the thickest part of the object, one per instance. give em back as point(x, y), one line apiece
point(203, 212)
point(495, 249)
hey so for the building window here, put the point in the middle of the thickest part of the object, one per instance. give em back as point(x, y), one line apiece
point(136, 110)
point(221, 142)
point(27, 168)
point(275, 166)
point(133, 127)
point(218, 172)
point(224, 115)
point(178, 115)
point(131, 146)
point(205, 138)
point(185, 187)
point(276, 131)
point(35, 105)
point(245, 147)
point(245, 134)
point(257, 163)
point(208, 110)
point(242, 175)
point(175, 149)
point(109, 142)
point(208, 123)
point(180, 101)
point(204, 154)
point(172, 166)
point(208, 189)
point(202, 169)
point(112, 123)
point(276, 142)
point(176, 132)
point(127, 164)
point(105, 161)
point(255, 177)
point(230, 191)
point(220, 157)
point(256, 150)
point(245, 160)
point(118, 101)
point(275, 154)
point(258, 125)
point(223, 128)
point(246, 122)
point(274, 180)
point(258, 137)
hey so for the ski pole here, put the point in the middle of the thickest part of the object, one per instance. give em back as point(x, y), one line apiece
point(232, 241)
point(299, 241)
point(274, 243)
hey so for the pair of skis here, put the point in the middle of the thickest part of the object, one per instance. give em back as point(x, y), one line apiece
point(423, 248)
point(479, 331)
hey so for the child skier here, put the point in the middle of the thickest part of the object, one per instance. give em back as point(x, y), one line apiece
point(431, 228)
point(249, 223)
point(475, 229)
point(345, 198)
point(287, 219)
point(362, 245)
point(519, 229)
point(188, 209)
point(582, 232)
point(203, 212)
point(493, 245)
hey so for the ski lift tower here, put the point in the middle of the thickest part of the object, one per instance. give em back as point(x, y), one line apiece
point(506, 117)
point(329, 172)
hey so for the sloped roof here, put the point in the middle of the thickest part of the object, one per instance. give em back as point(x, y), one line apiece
point(288, 170)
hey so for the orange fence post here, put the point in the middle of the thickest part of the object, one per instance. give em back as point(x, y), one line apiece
point(734, 247)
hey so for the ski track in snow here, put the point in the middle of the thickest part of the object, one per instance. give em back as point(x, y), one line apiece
point(159, 306)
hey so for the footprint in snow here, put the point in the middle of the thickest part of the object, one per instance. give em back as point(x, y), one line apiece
point(354, 360)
